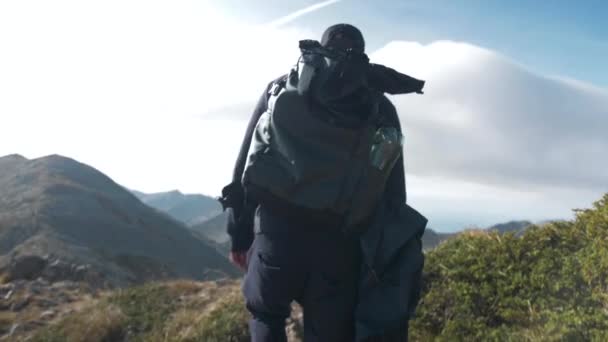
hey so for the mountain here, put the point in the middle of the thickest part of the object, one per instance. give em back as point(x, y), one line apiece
point(214, 229)
point(516, 227)
point(61, 217)
point(432, 238)
point(202, 214)
point(188, 208)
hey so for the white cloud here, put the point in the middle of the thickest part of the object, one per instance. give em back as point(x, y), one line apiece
point(486, 125)
point(488, 120)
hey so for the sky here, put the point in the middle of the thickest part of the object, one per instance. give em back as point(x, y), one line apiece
point(157, 94)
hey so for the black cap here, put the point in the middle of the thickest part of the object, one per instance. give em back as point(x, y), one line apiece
point(343, 36)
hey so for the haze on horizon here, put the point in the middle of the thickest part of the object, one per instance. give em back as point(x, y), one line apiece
point(157, 95)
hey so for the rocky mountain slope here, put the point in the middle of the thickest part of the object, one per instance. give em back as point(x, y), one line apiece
point(60, 218)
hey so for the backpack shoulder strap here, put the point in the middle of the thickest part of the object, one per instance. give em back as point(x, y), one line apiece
point(278, 86)
point(377, 116)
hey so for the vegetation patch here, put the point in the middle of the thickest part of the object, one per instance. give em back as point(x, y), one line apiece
point(227, 322)
point(549, 284)
point(100, 323)
point(155, 312)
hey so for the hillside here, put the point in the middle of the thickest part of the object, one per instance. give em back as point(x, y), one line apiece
point(214, 228)
point(432, 239)
point(548, 284)
point(60, 218)
point(188, 208)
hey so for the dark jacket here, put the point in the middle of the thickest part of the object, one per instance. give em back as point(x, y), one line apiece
point(391, 274)
point(241, 212)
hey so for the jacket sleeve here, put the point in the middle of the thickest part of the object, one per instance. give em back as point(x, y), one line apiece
point(395, 193)
point(241, 212)
point(387, 80)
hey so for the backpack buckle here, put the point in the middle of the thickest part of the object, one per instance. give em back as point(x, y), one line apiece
point(275, 89)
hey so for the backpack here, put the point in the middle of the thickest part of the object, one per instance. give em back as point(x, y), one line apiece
point(312, 163)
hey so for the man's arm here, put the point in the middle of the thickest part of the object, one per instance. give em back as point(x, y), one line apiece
point(241, 211)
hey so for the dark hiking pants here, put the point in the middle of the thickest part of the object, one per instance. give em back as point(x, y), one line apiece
point(313, 265)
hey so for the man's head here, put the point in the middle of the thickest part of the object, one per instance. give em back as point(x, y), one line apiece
point(334, 71)
point(343, 37)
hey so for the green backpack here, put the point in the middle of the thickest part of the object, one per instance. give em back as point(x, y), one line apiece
point(309, 162)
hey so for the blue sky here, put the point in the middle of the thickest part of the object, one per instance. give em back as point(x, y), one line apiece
point(560, 37)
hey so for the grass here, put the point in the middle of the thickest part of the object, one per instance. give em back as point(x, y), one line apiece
point(226, 323)
point(157, 312)
point(145, 308)
point(103, 323)
point(6, 320)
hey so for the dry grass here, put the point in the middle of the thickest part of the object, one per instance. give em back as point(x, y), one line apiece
point(95, 324)
point(214, 314)
point(7, 319)
point(158, 312)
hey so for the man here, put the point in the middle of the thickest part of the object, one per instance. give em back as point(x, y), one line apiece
point(306, 259)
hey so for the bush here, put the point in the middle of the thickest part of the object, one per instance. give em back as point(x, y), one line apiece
point(549, 284)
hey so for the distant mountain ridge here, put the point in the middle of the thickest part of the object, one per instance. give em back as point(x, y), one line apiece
point(432, 238)
point(516, 227)
point(203, 214)
point(190, 209)
point(59, 209)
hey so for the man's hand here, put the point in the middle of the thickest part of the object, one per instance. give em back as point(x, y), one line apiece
point(239, 259)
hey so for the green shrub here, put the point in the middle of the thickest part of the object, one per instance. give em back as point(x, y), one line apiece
point(550, 284)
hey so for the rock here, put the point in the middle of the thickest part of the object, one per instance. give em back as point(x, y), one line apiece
point(26, 267)
point(65, 285)
point(25, 327)
point(48, 314)
point(4, 305)
point(20, 304)
point(62, 298)
point(8, 295)
point(81, 272)
point(42, 282)
point(19, 284)
point(46, 303)
point(6, 287)
point(57, 270)
point(35, 289)
point(13, 329)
